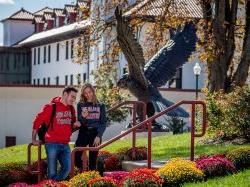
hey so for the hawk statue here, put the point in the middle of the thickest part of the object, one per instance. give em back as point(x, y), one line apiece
point(143, 79)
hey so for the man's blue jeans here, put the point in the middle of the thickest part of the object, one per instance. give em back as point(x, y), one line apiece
point(58, 152)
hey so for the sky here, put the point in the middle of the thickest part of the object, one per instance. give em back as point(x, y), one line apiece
point(8, 7)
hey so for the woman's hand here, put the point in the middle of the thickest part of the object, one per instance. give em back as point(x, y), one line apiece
point(77, 124)
point(97, 141)
point(85, 113)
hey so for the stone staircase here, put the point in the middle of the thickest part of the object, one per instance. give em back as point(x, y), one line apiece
point(131, 165)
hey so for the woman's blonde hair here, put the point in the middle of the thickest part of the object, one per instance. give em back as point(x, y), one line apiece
point(83, 99)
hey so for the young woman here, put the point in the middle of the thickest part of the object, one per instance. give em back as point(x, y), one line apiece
point(92, 116)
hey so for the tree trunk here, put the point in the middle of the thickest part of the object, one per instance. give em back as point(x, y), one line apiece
point(241, 73)
point(223, 31)
point(218, 66)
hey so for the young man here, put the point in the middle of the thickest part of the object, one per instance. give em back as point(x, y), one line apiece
point(59, 131)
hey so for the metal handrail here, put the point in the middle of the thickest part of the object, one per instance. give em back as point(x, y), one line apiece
point(147, 122)
point(39, 158)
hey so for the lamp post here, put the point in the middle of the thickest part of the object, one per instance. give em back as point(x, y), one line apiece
point(197, 72)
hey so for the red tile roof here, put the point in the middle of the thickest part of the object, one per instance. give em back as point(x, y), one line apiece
point(69, 9)
point(58, 12)
point(178, 8)
point(48, 16)
point(82, 3)
point(21, 15)
point(41, 12)
point(38, 19)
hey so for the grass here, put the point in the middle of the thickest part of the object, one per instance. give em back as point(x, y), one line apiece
point(241, 179)
point(163, 147)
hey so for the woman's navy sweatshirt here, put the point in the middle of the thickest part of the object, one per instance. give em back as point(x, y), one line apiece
point(96, 117)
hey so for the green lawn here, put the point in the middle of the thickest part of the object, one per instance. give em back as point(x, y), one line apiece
point(163, 147)
point(241, 179)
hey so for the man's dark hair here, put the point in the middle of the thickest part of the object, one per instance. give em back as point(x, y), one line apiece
point(69, 89)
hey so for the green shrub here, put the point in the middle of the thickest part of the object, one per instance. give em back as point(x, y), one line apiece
point(176, 125)
point(13, 173)
point(140, 153)
point(178, 171)
point(240, 157)
point(228, 114)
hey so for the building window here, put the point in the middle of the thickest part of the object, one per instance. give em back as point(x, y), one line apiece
point(34, 60)
point(38, 81)
point(44, 81)
point(48, 81)
point(7, 63)
point(176, 82)
point(49, 54)
point(38, 61)
point(44, 54)
point(57, 80)
point(67, 50)
point(15, 61)
point(1, 63)
point(24, 59)
point(34, 81)
point(66, 80)
point(10, 141)
point(71, 79)
point(72, 48)
point(57, 52)
point(84, 77)
point(179, 78)
point(27, 61)
point(18, 61)
point(79, 79)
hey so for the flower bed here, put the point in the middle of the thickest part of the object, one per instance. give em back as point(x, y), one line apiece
point(142, 177)
point(178, 171)
point(19, 184)
point(49, 183)
point(102, 182)
point(83, 178)
point(112, 163)
point(174, 173)
point(118, 176)
point(15, 173)
point(216, 165)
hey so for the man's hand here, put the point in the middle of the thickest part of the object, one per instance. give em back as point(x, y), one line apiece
point(77, 124)
point(36, 142)
point(85, 113)
point(97, 141)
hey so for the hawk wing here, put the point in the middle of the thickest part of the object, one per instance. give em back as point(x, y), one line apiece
point(163, 65)
point(131, 49)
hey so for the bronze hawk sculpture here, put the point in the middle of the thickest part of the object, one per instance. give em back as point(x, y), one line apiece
point(143, 79)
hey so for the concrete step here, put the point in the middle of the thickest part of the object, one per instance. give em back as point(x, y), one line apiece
point(131, 165)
